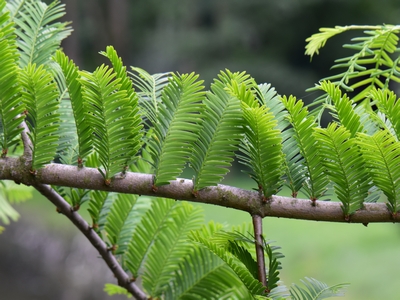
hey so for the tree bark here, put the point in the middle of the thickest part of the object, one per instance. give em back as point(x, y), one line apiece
point(182, 189)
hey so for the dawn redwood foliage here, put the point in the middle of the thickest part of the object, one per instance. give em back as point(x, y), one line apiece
point(118, 139)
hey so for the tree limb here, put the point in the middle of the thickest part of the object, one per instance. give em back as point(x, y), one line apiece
point(64, 208)
point(182, 189)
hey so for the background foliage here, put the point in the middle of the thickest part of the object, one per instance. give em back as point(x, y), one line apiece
point(248, 68)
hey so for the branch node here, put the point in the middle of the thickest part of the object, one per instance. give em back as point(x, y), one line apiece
point(4, 153)
point(80, 163)
point(113, 248)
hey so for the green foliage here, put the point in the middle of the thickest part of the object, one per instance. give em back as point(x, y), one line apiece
point(341, 158)
point(343, 108)
point(203, 275)
point(39, 94)
point(274, 265)
point(168, 249)
point(262, 147)
point(79, 109)
point(219, 136)
point(316, 290)
point(315, 183)
point(39, 36)
point(112, 289)
point(11, 193)
point(252, 284)
point(161, 124)
point(149, 88)
point(389, 105)
point(177, 128)
point(115, 129)
point(11, 107)
point(381, 154)
point(374, 63)
point(118, 226)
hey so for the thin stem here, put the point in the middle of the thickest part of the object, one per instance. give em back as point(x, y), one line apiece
point(257, 225)
point(26, 141)
point(64, 208)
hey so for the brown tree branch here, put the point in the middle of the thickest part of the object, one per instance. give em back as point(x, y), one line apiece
point(64, 208)
point(257, 225)
point(182, 189)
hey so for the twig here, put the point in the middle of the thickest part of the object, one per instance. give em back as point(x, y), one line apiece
point(26, 141)
point(257, 225)
point(95, 240)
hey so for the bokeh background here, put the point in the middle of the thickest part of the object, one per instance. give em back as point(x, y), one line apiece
point(43, 257)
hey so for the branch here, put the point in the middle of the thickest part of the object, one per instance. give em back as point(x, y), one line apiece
point(26, 141)
point(64, 208)
point(181, 189)
point(257, 225)
point(23, 166)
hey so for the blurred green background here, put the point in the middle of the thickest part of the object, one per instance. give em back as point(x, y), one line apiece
point(42, 257)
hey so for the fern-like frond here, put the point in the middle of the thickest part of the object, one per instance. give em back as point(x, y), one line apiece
point(253, 285)
point(373, 64)
point(118, 234)
point(262, 149)
point(113, 289)
point(97, 201)
point(344, 108)
point(381, 153)
point(7, 212)
point(39, 36)
point(241, 78)
point(318, 40)
point(109, 115)
point(145, 233)
point(12, 193)
point(68, 143)
point(293, 162)
point(149, 89)
point(203, 275)
point(273, 268)
point(126, 85)
point(39, 93)
point(344, 166)
point(268, 96)
point(316, 290)
point(303, 126)
point(242, 254)
point(219, 137)
point(11, 107)
point(177, 128)
point(389, 104)
point(170, 247)
point(262, 143)
point(79, 106)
